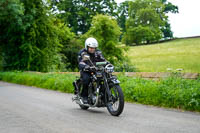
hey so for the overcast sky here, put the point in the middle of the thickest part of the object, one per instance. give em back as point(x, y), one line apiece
point(187, 22)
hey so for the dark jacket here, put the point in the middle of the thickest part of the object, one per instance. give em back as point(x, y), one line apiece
point(95, 57)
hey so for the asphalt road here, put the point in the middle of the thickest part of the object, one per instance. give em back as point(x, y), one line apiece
point(33, 110)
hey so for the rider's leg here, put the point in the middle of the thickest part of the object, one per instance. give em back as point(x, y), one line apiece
point(86, 81)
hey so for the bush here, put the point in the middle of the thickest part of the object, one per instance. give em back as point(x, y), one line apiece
point(125, 67)
point(171, 92)
point(107, 32)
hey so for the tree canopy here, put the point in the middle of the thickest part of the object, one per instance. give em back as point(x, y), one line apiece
point(78, 14)
point(147, 21)
point(29, 37)
point(106, 30)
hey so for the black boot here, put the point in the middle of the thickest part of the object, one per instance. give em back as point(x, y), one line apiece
point(84, 94)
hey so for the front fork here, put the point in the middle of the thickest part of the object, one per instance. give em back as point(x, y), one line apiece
point(108, 93)
point(113, 81)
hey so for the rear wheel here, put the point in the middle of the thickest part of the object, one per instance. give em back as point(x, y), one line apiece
point(116, 105)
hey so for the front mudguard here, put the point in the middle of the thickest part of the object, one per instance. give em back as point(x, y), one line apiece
point(113, 81)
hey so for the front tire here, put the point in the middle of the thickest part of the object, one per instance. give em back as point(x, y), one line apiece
point(117, 98)
point(83, 107)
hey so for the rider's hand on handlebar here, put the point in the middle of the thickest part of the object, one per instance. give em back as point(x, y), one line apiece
point(92, 69)
point(87, 68)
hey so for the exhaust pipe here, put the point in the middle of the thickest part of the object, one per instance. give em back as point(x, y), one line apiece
point(80, 102)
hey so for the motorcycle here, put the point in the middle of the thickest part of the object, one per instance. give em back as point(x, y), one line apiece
point(103, 90)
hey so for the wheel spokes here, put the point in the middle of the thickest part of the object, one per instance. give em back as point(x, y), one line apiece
point(115, 99)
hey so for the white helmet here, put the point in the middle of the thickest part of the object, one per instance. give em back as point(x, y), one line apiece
point(91, 42)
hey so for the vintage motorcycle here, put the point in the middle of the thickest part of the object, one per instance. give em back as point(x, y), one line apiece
point(103, 91)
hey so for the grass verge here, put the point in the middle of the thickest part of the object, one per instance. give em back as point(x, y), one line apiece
point(173, 92)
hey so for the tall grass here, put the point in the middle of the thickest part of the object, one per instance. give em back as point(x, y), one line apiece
point(172, 92)
point(180, 53)
point(59, 82)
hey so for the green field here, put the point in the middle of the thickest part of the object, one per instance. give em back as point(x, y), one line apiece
point(179, 53)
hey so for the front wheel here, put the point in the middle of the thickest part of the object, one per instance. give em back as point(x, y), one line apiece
point(83, 107)
point(116, 105)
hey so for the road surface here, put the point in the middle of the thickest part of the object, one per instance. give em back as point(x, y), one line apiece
point(26, 109)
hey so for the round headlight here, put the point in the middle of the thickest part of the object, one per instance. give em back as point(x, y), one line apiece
point(109, 68)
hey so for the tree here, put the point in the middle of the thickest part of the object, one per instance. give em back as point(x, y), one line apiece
point(106, 30)
point(169, 7)
point(71, 46)
point(78, 14)
point(122, 15)
point(29, 36)
point(11, 31)
point(122, 12)
point(145, 19)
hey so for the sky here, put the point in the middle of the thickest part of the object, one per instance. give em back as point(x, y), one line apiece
point(187, 22)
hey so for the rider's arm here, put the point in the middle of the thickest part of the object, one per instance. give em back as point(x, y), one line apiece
point(100, 56)
point(81, 63)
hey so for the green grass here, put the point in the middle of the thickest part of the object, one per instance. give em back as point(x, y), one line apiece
point(59, 82)
point(180, 53)
point(172, 92)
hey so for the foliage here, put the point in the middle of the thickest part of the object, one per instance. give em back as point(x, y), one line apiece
point(169, 7)
point(1, 63)
point(122, 15)
point(126, 65)
point(171, 92)
point(71, 46)
point(71, 52)
point(11, 11)
point(78, 14)
point(42, 38)
point(106, 31)
point(145, 20)
point(141, 34)
point(168, 34)
point(36, 36)
point(60, 82)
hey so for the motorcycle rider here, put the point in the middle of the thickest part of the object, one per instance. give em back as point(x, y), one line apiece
point(85, 66)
